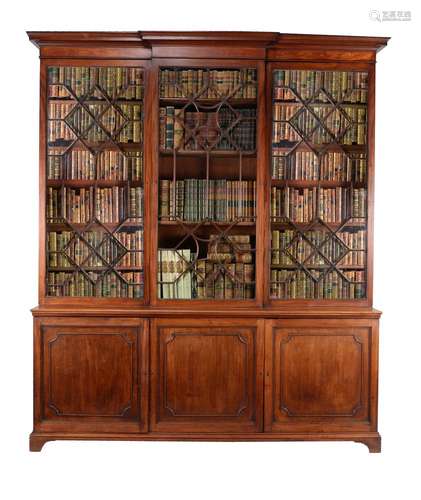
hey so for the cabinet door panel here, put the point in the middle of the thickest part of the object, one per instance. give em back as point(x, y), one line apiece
point(93, 376)
point(207, 379)
point(318, 375)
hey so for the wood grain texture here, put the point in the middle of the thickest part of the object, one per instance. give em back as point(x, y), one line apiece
point(91, 374)
point(208, 378)
point(320, 375)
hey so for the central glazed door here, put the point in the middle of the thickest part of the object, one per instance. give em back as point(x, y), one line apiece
point(207, 376)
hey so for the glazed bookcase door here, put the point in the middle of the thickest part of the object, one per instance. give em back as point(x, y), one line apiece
point(319, 170)
point(207, 186)
point(94, 203)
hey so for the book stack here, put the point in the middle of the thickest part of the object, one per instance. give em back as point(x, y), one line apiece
point(198, 199)
point(80, 164)
point(287, 284)
point(285, 245)
point(349, 86)
point(334, 204)
point(123, 284)
point(80, 205)
point(60, 245)
point(228, 270)
point(196, 130)
point(124, 83)
point(174, 273)
point(208, 84)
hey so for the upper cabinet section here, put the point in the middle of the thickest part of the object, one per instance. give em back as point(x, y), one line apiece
point(94, 178)
point(246, 159)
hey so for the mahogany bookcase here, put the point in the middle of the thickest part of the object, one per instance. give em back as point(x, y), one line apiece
point(206, 237)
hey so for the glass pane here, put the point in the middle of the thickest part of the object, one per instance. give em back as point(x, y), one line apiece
point(207, 183)
point(95, 182)
point(319, 184)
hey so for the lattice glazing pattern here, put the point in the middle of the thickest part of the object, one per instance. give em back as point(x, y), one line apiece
point(207, 183)
point(319, 184)
point(94, 202)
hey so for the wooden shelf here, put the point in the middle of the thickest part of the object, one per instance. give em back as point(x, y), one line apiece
point(340, 105)
point(92, 101)
point(344, 267)
point(94, 268)
point(200, 152)
point(306, 225)
point(209, 224)
point(105, 145)
point(348, 148)
point(83, 183)
point(311, 183)
point(111, 226)
point(233, 102)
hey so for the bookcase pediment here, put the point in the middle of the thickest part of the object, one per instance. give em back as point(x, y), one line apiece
point(207, 44)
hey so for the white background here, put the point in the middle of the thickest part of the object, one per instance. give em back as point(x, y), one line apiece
point(110, 470)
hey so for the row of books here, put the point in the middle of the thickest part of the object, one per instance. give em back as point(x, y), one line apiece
point(208, 83)
point(348, 86)
point(124, 83)
point(68, 284)
point(80, 164)
point(333, 204)
point(328, 114)
point(330, 166)
point(335, 128)
point(285, 243)
point(124, 124)
point(109, 205)
point(126, 252)
point(298, 285)
point(227, 272)
point(196, 130)
point(230, 281)
point(175, 274)
point(198, 199)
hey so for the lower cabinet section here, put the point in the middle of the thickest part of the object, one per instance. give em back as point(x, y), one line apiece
point(320, 375)
point(91, 375)
point(207, 378)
